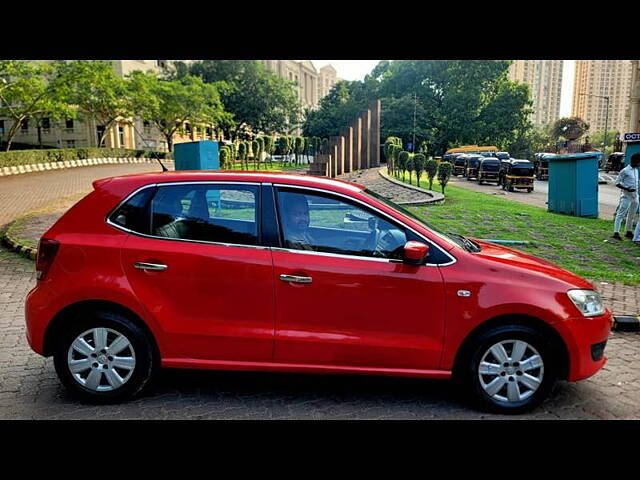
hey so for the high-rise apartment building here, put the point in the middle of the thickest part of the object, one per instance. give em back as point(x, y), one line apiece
point(544, 78)
point(595, 80)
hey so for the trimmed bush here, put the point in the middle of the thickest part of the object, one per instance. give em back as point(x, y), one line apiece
point(431, 168)
point(444, 174)
point(419, 161)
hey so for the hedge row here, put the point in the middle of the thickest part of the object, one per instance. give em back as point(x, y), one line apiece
point(29, 157)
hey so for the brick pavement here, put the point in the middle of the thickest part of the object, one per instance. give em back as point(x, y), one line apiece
point(23, 193)
point(29, 388)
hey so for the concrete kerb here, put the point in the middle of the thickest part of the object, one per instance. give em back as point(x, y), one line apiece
point(42, 167)
point(436, 198)
point(15, 245)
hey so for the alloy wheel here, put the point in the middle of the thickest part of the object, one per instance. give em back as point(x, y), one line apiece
point(511, 371)
point(101, 359)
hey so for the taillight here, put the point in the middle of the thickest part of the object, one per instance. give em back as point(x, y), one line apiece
point(47, 250)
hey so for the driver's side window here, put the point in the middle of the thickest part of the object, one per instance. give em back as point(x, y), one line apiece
point(327, 223)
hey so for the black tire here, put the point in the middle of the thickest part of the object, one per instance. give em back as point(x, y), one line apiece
point(480, 182)
point(143, 350)
point(529, 190)
point(469, 380)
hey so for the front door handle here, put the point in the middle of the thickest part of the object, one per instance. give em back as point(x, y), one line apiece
point(295, 279)
point(156, 267)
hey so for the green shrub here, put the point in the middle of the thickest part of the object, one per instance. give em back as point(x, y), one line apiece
point(431, 168)
point(444, 173)
point(419, 161)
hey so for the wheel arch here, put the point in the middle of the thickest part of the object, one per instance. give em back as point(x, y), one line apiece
point(69, 314)
point(557, 343)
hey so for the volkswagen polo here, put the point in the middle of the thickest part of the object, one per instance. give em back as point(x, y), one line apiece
point(283, 272)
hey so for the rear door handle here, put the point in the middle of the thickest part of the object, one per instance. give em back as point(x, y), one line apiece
point(295, 279)
point(157, 267)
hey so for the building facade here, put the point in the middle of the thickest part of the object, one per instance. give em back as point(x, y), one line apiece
point(544, 78)
point(327, 78)
point(311, 85)
point(596, 79)
point(633, 110)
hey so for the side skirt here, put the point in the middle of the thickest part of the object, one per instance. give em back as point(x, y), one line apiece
point(300, 368)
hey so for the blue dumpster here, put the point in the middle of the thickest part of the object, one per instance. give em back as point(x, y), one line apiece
point(573, 184)
point(201, 155)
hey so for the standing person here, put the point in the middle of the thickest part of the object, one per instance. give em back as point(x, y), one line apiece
point(627, 181)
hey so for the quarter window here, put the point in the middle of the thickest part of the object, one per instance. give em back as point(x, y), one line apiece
point(211, 213)
point(134, 214)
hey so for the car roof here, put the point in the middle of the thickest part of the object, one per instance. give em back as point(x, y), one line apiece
point(137, 180)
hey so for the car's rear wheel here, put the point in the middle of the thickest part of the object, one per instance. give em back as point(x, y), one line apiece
point(105, 357)
point(511, 369)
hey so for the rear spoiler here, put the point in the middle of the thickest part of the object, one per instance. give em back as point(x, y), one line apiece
point(101, 182)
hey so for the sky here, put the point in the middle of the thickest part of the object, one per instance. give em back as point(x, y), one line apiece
point(357, 69)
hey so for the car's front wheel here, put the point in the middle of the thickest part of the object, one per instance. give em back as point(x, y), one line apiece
point(105, 357)
point(511, 369)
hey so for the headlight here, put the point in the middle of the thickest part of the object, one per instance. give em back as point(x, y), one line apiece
point(589, 302)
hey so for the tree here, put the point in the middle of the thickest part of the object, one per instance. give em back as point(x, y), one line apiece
point(169, 104)
point(419, 161)
point(31, 90)
point(403, 161)
point(337, 109)
point(597, 140)
point(98, 92)
point(255, 146)
point(456, 102)
point(431, 168)
point(569, 128)
point(259, 100)
point(444, 174)
point(225, 157)
point(242, 153)
point(298, 147)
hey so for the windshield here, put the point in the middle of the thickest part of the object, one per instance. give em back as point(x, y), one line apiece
point(491, 166)
point(522, 171)
point(452, 239)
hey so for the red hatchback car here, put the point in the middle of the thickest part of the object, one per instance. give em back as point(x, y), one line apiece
point(279, 272)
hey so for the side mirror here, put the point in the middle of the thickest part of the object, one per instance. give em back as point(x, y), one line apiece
point(415, 252)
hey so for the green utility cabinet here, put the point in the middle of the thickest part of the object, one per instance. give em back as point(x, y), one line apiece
point(573, 184)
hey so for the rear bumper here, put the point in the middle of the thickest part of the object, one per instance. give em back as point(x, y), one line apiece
point(584, 339)
point(38, 312)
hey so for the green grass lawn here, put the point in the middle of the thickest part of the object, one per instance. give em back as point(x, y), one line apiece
point(581, 245)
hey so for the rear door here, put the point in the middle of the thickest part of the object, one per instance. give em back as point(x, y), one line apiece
point(201, 270)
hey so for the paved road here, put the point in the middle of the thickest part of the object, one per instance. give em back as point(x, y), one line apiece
point(29, 388)
point(608, 194)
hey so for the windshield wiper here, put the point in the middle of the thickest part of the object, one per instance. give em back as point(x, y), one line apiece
point(467, 244)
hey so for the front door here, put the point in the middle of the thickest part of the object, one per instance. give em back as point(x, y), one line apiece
point(203, 274)
point(343, 297)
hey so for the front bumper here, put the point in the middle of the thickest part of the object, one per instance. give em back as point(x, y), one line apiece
point(584, 338)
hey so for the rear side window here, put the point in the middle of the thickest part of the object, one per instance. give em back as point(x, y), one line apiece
point(134, 213)
point(211, 213)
